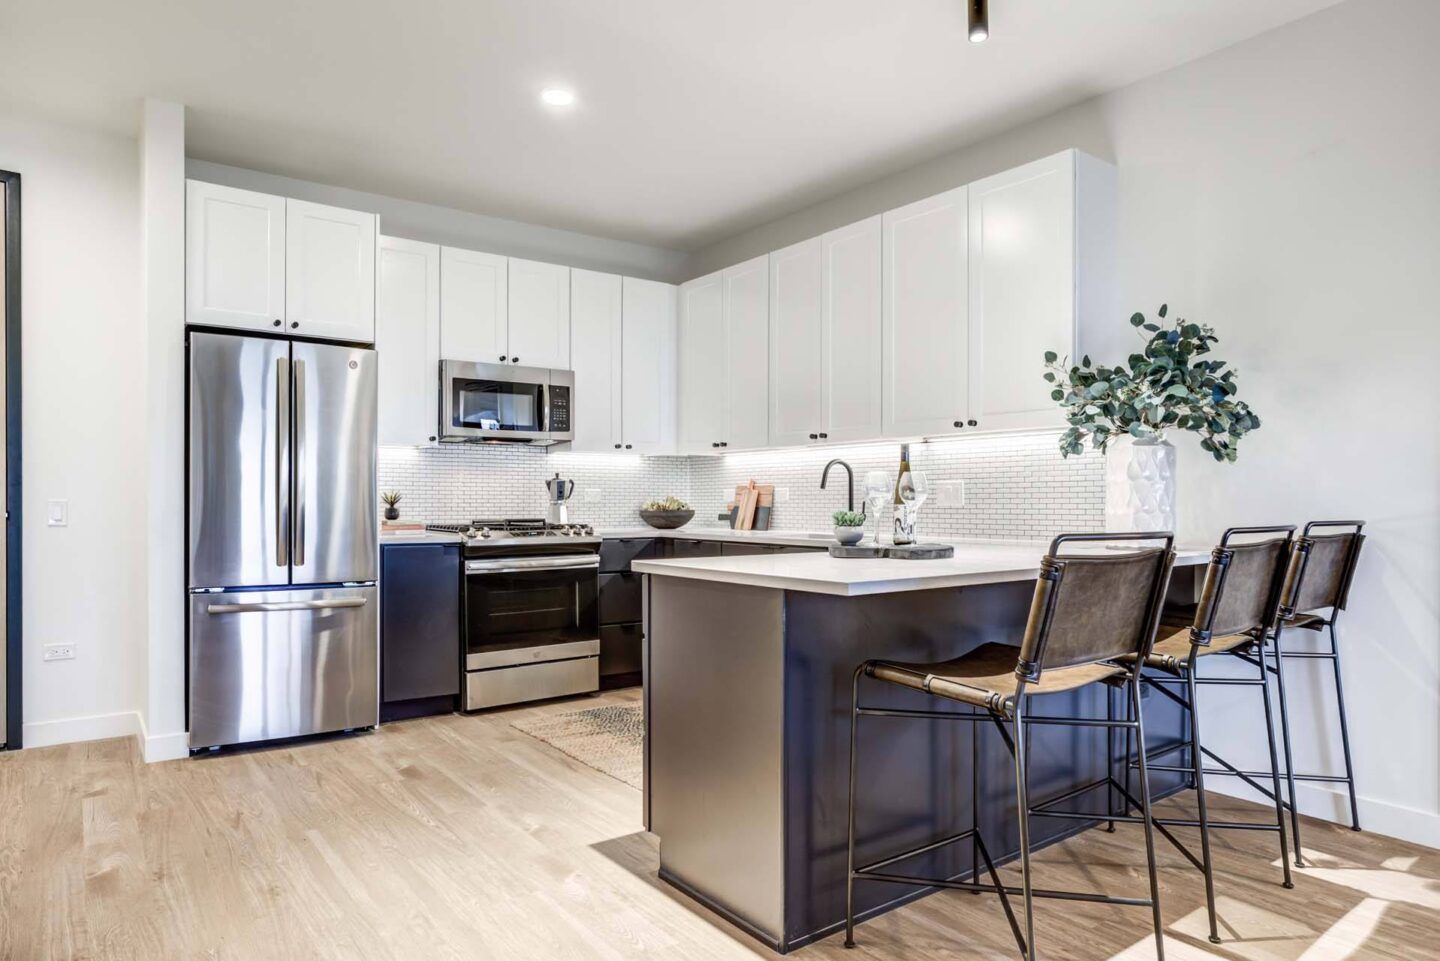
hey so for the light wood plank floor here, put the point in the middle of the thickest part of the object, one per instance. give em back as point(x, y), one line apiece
point(461, 838)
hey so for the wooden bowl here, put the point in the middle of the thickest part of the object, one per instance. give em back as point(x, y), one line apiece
point(666, 520)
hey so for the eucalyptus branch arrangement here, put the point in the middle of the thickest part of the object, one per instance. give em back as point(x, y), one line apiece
point(1162, 388)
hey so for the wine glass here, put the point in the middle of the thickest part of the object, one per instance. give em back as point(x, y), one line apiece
point(914, 489)
point(879, 488)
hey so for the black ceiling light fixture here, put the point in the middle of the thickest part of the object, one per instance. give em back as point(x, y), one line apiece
point(979, 20)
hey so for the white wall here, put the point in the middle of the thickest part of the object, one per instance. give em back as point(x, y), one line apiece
point(1287, 191)
point(457, 228)
point(82, 366)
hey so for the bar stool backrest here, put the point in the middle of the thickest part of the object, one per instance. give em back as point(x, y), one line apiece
point(1322, 567)
point(1095, 607)
point(1241, 594)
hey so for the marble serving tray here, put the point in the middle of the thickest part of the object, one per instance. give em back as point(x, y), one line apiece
point(906, 552)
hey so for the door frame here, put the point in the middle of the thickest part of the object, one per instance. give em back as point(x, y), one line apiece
point(13, 621)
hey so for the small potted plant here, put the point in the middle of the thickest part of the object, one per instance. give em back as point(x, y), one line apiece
point(849, 526)
point(666, 513)
point(391, 498)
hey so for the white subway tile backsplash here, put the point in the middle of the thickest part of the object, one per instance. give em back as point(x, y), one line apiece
point(1015, 487)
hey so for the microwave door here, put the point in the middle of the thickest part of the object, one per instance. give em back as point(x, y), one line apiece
point(494, 402)
point(239, 461)
point(336, 520)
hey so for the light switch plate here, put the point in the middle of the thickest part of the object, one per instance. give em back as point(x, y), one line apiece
point(950, 494)
point(782, 495)
point(57, 513)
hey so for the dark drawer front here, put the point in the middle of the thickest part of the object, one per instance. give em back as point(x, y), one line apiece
point(619, 598)
point(419, 620)
point(693, 548)
point(616, 555)
point(620, 649)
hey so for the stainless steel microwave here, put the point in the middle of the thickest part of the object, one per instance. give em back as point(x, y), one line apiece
point(503, 403)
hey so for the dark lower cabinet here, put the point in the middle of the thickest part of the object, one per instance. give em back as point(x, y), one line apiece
point(419, 630)
point(620, 653)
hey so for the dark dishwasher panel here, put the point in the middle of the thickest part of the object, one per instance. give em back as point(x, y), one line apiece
point(419, 629)
point(619, 598)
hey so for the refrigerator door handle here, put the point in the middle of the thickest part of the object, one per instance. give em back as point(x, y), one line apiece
point(299, 463)
point(282, 462)
point(270, 607)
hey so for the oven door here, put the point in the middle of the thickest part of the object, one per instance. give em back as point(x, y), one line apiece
point(495, 402)
point(524, 610)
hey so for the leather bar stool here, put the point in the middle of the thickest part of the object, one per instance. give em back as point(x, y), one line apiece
point(1090, 610)
point(1238, 606)
point(1321, 569)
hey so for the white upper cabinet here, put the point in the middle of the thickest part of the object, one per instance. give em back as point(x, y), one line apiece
point(234, 257)
point(851, 368)
point(796, 322)
point(595, 334)
point(925, 328)
point(746, 290)
point(407, 340)
point(539, 314)
point(474, 307)
point(648, 312)
point(329, 272)
point(702, 370)
point(1035, 232)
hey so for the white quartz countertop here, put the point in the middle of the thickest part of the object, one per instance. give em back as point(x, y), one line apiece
point(724, 534)
point(974, 563)
point(418, 537)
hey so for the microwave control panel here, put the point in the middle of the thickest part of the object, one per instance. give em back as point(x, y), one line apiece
point(559, 409)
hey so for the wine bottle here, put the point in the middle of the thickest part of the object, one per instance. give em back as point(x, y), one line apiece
point(904, 530)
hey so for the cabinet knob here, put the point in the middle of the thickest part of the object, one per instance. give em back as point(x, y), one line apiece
point(617, 446)
point(294, 324)
point(279, 322)
point(514, 360)
point(627, 446)
point(714, 443)
point(959, 423)
point(503, 357)
point(823, 436)
point(814, 436)
point(972, 423)
point(432, 438)
point(724, 443)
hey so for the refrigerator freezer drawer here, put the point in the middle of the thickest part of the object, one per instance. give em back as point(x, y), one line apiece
point(273, 664)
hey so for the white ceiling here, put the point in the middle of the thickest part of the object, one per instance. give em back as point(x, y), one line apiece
point(696, 120)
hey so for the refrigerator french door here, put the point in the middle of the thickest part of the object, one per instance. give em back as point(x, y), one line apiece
point(283, 526)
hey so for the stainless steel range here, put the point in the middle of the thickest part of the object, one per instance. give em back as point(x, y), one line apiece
point(531, 626)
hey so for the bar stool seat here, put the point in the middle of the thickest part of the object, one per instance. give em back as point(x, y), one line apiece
point(986, 677)
point(1306, 622)
point(1172, 654)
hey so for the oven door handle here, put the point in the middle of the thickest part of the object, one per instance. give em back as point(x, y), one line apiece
point(511, 565)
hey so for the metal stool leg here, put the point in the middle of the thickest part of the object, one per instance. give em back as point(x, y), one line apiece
point(1110, 758)
point(1198, 774)
point(1022, 795)
point(1274, 767)
point(1149, 825)
point(850, 840)
point(1344, 729)
point(1285, 741)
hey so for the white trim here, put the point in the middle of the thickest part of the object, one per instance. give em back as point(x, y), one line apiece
point(162, 747)
point(1316, 800)
point(72, 729)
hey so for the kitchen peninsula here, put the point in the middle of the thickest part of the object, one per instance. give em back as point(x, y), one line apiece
point(749, 663)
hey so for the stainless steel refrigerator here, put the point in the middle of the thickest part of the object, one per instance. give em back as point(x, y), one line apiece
point(282, 527)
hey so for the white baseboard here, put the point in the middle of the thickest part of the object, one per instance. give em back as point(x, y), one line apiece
point(162, 747)
point(1325, 802)
point(71, 729)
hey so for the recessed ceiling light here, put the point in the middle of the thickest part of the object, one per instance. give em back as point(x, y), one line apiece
point(979, 20)
point(558, 96)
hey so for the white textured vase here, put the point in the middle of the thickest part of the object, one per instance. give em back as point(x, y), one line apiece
point(1140, 486)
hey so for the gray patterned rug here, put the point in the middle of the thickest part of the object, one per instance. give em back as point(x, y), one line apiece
point(609, 739)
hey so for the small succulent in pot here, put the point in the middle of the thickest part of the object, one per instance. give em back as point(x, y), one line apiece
point(849, 526)
point(391, 498)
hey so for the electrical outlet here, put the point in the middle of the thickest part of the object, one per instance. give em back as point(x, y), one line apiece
point(950, 494)
point(59, 652)
point(782, 495)
point(593, 495)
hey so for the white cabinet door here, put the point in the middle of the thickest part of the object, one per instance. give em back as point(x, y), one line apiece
point(329, 272)
point(747, 345)
point(474, 306)
point(1022, 290)
point(925, 327)
point(796, 323)
point(595, 332)
point(702, 382)
point(850, 374)
point(407, 340)
point(539, 314)
point(648, 366)
point(234, 257)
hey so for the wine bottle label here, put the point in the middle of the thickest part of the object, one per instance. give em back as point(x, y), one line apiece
point(904, 524)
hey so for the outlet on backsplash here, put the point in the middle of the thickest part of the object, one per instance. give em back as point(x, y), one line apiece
point(782, 495)
point(950, 494)
point(593, 495)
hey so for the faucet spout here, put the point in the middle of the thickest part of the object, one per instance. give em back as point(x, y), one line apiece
point(850, 477)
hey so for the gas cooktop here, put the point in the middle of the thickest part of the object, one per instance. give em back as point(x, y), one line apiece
point(513, 529)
